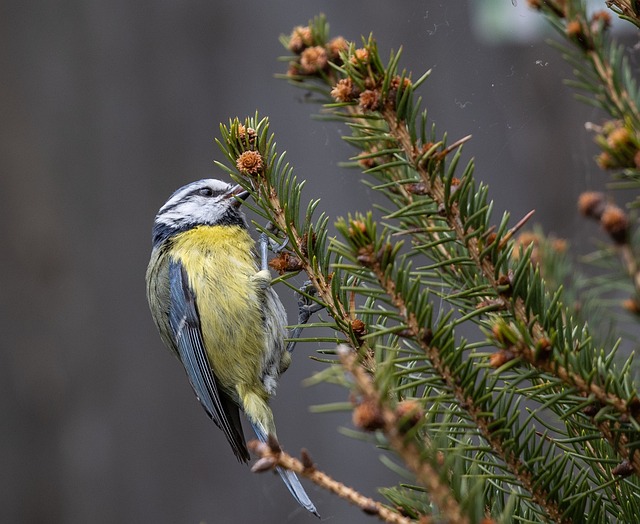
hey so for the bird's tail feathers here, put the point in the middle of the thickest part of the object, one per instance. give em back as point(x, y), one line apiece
point(289, 478)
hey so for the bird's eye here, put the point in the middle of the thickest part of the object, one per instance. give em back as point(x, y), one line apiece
point(205, 192)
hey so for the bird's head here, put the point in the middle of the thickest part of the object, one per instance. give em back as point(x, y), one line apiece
point(204, 202)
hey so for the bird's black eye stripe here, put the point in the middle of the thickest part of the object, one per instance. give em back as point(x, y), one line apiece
point(205, 192)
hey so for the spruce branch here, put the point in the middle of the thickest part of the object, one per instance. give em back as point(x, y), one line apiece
point(478, 412)
point(434, 187)
point(380, 105)
point(390, 423)
point(271, 456)
point(603, 74)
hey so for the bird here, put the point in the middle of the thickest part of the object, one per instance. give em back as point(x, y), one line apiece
point(212, 301)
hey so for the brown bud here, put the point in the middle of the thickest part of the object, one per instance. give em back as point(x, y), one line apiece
point(250, 162)
point(591, 204)
point(367, 416)
point(397, 82)
point(358, 327)
point(370, 100)
point(543, 349)
point(606, 161)
point(423, 150)
point(396, 85)
point(601, 17)
point(360, 55)
point(285, 263)
point(301, 38)
point(559, 245)
point(366, 256)
point(496, 331)
point(313, 59)
point(544, 344)
point(574, 29)
point(624, 469)
point(273, 443)
point(369, 83)
point(335, 46)
point(294, 69)
point(500, 358)
point(305, 242)
point(408, 413)
point(558, 7)
point(619, 138)
point(344, 91)
point(633, 405)
point(356, 227)
point(246, 134)
point(366, 161)
point(307, 463)
point(591, 410)
point(615, 222)
point(631, 305)
point(505, 282)
point(258, 448)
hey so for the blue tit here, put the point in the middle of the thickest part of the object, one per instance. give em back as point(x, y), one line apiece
point(217, 312)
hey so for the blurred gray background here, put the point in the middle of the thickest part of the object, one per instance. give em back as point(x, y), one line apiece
point(105, 109)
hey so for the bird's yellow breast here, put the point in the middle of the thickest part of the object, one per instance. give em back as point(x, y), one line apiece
point(219, 262)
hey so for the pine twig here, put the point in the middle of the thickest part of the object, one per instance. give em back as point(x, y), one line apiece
point(271, 455)
point(564, 373)
point(426, 474)
point(481, 417)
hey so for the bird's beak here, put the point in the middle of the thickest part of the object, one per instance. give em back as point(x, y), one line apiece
point(239, 193)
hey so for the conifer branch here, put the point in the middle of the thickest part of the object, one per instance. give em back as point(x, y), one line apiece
point(479, 414)
point(605, 76)
point(435, 188)
point(271, 456)
point(390, 422)
point(384, 106)
point(399, 137)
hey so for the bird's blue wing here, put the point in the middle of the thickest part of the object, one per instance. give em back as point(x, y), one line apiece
point(185, 325)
